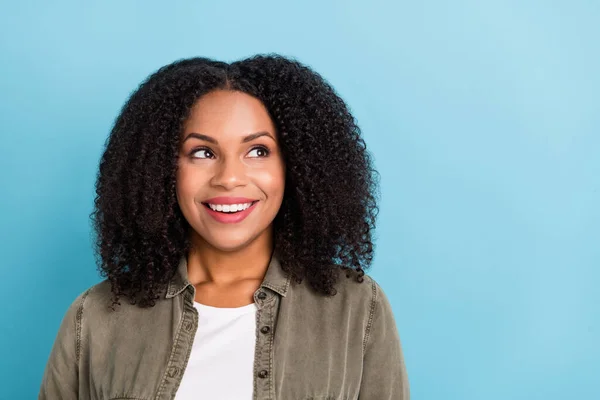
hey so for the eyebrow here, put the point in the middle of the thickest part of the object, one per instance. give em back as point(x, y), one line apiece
point(210, 139)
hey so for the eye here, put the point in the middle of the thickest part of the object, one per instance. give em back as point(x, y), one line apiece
point(258, 152)
point(204, 152)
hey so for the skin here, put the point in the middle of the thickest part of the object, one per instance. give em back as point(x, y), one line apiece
point(228, 261)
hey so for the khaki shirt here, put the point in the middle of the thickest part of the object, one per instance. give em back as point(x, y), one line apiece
point(308, 346)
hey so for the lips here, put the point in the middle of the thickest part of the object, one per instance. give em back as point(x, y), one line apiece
point(230, 218)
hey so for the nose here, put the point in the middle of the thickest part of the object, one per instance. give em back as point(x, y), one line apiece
point(229, 173)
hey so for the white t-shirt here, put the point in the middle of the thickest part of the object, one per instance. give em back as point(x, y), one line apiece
point(221, 365)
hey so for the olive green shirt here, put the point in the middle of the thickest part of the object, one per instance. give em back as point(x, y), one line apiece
point(308, 346)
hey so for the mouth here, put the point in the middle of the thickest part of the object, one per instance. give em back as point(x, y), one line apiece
point(229, 208)
point(230, 213)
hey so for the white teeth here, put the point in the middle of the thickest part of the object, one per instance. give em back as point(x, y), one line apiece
point(229, 207)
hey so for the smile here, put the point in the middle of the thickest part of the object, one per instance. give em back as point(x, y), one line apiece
point(229, 208)
point(229, 213)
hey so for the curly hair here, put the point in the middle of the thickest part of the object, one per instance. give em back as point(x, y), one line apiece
point(329, 207)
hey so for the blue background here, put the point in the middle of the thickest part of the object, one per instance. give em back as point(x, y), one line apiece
point(483, 117)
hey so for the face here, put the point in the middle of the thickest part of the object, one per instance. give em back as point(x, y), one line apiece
point(231, 175)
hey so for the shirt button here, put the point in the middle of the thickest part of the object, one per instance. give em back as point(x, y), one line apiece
point(262, 295)
point(263, 374)
point(265, 329)
point(173, 372)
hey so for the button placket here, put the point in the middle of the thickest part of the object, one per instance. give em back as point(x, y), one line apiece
point(263, 382)
point(181, 348)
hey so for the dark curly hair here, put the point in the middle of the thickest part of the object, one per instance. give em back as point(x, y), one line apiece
point(329, 207)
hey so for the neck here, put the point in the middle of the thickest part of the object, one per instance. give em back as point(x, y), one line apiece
point(208, 264)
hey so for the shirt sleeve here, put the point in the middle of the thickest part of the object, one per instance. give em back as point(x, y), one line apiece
point(384, 372)
point(60, 379)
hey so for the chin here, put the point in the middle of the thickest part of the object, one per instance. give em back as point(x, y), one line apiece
point(230, 243)
point(230, 247)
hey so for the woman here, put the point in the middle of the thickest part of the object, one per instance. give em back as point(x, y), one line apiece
point(235, 208)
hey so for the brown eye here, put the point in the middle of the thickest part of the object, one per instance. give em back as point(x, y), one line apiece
point(258, 152)
point(202, 152)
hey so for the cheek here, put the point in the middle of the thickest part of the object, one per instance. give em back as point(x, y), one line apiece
point(273, 183)
point(187, 183)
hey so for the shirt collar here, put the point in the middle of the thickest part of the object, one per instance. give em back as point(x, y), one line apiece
point(275, 279)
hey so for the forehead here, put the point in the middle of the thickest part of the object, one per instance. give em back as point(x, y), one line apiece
point(228, 113)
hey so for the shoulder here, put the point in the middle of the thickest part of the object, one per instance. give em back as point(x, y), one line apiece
point(350, 289)
point(92, 312)
point(92, 296)
point(353, 299)
point(377, 313)
point(367, 296)
point(73, 318)
point(94, 303)
point(361, 308)
point(349, 284)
